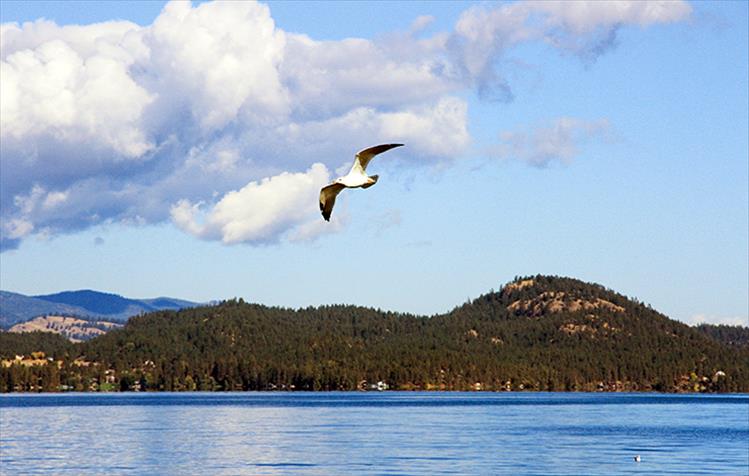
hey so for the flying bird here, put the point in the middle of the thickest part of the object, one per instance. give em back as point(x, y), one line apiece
point(356, 178)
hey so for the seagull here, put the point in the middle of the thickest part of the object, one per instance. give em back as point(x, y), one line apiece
point(637, 458)
point(356, 178)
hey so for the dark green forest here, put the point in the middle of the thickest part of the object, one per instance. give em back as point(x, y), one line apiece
point(734, 336)
point(535, 333)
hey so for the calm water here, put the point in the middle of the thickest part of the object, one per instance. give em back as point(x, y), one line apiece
point(373, 433)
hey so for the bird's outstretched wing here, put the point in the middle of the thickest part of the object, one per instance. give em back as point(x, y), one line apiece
point(364, 156)
point(327, 198)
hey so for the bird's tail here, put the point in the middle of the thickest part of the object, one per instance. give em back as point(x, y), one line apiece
point(373, 179)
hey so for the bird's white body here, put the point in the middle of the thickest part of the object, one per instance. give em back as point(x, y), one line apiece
point(356, 178)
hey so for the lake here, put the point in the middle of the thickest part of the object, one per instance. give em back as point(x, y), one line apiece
point(414, 433)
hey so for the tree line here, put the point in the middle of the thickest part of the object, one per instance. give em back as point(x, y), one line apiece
point(556, 334)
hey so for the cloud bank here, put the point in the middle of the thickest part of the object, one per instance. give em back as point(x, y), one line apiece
point(216, 119)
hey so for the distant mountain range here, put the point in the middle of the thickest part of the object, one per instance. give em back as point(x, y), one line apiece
point(86, 304)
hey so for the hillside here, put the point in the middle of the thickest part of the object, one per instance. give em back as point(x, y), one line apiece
point(536, 333)
point(86, 304)
point(73, 329)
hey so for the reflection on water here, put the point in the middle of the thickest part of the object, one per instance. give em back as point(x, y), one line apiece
point(366, 433)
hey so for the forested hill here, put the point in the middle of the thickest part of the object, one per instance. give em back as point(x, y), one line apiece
point(536, 333)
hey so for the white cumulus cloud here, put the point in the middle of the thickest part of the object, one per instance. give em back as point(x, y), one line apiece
point(219, 61)
point(259, 211)
point(54, 92)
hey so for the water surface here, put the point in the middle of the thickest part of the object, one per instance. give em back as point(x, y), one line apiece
point(373, 433)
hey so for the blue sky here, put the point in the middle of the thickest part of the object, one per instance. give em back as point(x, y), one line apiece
point(179, 151)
